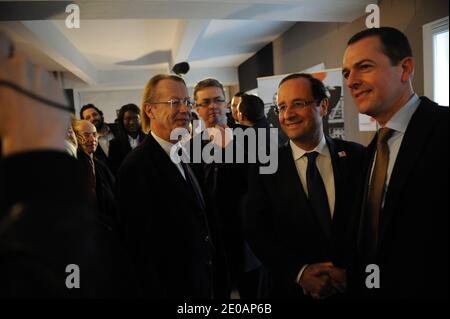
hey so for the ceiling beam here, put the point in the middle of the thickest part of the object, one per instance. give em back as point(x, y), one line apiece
point(46, 37)
point(188, 34)
point(274, 10)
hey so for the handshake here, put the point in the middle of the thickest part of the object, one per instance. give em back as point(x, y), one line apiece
point(323, 280)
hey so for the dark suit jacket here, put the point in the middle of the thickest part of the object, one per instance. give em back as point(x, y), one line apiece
point(119, 149)
point(171, 240)
point(281, 227)
point(413, 235)
point(47, 224)
point(99, 153)
point(105, 186)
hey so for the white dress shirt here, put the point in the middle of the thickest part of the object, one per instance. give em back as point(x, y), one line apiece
point(167, 146)
point(324, 165)
point(104, 139)
point(399, 123)
point(134, 142)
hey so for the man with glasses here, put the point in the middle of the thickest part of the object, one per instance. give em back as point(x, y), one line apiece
point(100, 181)
point(296, 217)
point(167, 220)
point(227, 183)
point(210, 102)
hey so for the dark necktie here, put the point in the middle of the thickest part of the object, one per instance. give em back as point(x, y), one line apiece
point(317, 194)
point(195, 187)
point(193, 184)
point(376, 191)
point(92, 182)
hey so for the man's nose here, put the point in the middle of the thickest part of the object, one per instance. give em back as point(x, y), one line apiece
point(353, 81)
point(289, 112)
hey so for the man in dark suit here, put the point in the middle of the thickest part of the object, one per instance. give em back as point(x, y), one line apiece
point(106, 131)
point(401, 225)
point(296, 217)
point(168, 223)
point(100, 181)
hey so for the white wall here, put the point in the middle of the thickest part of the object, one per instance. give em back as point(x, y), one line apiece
point(107, 101)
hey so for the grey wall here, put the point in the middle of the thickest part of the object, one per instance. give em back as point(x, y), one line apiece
point(307, 44)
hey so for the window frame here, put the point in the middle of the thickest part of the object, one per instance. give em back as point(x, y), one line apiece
point(429, 30)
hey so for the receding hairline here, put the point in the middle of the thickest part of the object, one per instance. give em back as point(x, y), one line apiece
point(154, 88)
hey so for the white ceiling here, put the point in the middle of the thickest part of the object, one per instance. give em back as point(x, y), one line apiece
point(123, 43)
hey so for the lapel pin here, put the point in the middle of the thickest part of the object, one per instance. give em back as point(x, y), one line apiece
point(342, 154)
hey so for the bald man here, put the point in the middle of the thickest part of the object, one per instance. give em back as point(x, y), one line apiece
point(101, 182)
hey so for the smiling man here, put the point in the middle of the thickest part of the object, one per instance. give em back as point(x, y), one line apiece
point(106, 132)
point(296, 217)
point(402, 226)
point(101, 183)
point(168, 223)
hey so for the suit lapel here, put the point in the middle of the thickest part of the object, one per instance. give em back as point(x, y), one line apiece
point(338, 171)
point(169, 170)
point(368, 160)
point(291, 190)
point(414, 140)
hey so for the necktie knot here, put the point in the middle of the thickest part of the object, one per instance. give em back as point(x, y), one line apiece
point(312, 156)
point(384, 134)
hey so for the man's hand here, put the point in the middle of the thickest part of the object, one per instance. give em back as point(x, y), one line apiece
point(25, 123)
point(322, 280)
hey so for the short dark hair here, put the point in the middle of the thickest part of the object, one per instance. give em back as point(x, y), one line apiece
point(252, 107)
point(395, 43)
point(89, 106)
point(239, 94)
point(206, 83)
point(317, 87)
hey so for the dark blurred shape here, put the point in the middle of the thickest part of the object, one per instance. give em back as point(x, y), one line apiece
point(181, 68)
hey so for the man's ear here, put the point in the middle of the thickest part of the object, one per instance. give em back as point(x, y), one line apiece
point(324, 105)
point(148, 109)
point(407, 67)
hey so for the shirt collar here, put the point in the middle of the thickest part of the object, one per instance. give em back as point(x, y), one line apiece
point(107, 131)
point(399, 122)
point(131, 138)
point(163, 143)
point(321, 148)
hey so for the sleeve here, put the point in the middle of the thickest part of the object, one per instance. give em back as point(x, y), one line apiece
point(260, 232)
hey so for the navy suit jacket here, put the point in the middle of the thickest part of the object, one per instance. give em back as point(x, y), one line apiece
point(412, 253)
point(281, 226)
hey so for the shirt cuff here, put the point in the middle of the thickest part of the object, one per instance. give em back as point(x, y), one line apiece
point(300, 273)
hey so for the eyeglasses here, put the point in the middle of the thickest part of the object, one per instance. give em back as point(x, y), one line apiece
point(176, 103)
point(300, 104)
point(207, 102)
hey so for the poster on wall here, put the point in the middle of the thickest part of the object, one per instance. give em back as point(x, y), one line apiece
point(332, 78)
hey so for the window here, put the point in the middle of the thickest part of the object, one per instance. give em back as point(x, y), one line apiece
point(436, 61)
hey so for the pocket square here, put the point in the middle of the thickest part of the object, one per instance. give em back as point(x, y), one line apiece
point(342, 154)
